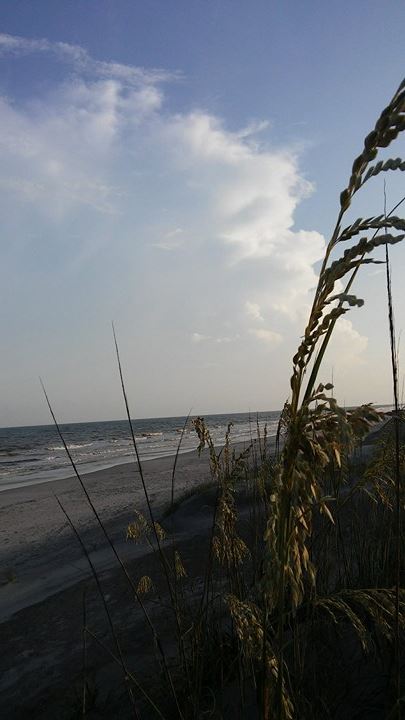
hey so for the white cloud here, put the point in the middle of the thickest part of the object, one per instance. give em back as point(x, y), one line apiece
point(253, 310)
point(100, 158)
point(268, 336)
point(198, 337)
point(171, 240)
point(254, 127)
point(81, 147)
point(249, 195)
point(79, 58)
point(347, 345)
point(256, 191)
point(227, 339)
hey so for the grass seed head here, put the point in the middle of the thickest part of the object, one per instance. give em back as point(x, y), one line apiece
point(145, 585)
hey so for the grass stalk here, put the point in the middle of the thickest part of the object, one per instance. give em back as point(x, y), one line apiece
point(84, 655)
point(163, 559)
point(105, 605)
point(397, 474)
point(130, 675)
point(112, 546)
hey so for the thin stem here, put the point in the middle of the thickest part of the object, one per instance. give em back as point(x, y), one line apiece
point(84, 657)
point(138, 459)
point(183, 430)
point(394, 368)
point(148, 503)
point(104, 601)
point(129, 674)
point(321, 353)
point(110, 543)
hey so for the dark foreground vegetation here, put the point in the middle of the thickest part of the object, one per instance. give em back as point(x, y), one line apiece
point(291, 605)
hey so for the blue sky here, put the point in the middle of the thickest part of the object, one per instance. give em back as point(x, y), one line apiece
point(176, 167)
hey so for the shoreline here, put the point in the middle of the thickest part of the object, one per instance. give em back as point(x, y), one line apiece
point(84, 469)
point(90, 467)
point(39, 554)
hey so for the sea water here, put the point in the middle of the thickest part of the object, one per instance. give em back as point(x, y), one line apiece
point(29, 455)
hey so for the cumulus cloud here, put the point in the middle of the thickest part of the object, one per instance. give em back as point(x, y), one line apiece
point(72, 142)
point(259, 191)
point(102, 157)
point(249, 194)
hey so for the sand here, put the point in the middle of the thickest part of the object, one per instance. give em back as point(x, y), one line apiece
point(39, 554)
point(44, 575)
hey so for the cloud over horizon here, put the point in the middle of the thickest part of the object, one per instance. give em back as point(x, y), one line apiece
point(101, 168)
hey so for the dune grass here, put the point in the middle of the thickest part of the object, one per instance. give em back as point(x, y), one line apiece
point(300, 584)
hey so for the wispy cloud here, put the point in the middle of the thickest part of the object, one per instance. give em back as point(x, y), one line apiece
point(267, 336)
point(200, 338)
point(253, 311)
point(79, 58)
point(171, 240)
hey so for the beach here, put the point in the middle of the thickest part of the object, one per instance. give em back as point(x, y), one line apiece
point(45, 578)
point(39, 553)
point(43, 570)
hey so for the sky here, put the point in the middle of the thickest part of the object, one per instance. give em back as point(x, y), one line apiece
point(175, 167)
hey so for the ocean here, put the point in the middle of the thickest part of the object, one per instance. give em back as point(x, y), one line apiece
point(30, 455)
